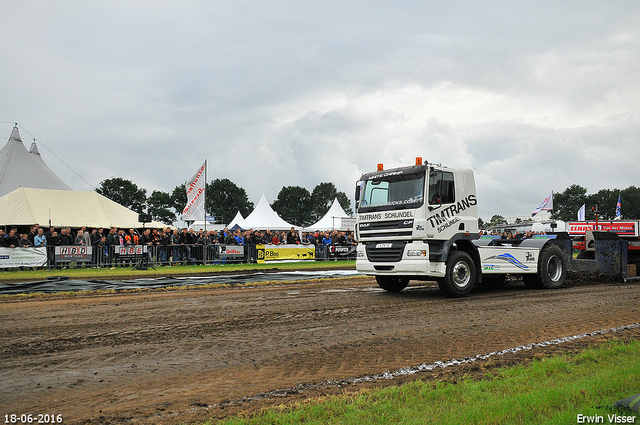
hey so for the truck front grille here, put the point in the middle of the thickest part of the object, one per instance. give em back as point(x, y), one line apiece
point(384, 252)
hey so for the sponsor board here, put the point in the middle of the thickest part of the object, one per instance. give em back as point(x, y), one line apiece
point(622, 228)
point(285, 252)
point(72, 254)
point(232, 251)
point(22, 257)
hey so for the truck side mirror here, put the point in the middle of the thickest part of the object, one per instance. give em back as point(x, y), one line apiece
point(357, 193)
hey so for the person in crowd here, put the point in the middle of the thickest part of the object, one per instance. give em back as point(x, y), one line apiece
point(174, 241)
point(40, 239)
point(341, 239)
point(86, 235)
point(132, 238)
point(24, 241)
point(326, 240)
point(186, 241)
point(93, 236)
point(275, 240)
point(11, 240)
point(111, 237)
point(239, 239)
point(80, 238)
point(33, 231)
point(292, 237)
point(102, 251)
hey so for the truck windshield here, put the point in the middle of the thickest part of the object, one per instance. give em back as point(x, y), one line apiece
point(392, 192)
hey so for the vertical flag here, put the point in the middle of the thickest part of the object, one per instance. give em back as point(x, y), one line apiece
point(195, 195)
point(546, 205)
point(581, 212)
point(618, 208)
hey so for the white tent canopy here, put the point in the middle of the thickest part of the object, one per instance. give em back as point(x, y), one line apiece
point(333, 219)
point(27, 206)
point(20, 167)
point(264, 218)
point(237, 219)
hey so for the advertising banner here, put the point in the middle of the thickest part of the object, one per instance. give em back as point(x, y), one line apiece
point(341, 251)
point(133, 251)
point(22, 257)
point(194, 210)
point(622, 228)
point(72, 254)
point(232, 251)
point(285, 252)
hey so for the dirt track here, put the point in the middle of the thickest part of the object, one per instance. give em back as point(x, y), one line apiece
point(167, 357)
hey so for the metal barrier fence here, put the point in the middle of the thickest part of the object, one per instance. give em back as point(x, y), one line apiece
point(166, 255)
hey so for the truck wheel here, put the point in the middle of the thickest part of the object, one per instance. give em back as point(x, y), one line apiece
point(552, 270)
point(392, 283)
point(460, 275)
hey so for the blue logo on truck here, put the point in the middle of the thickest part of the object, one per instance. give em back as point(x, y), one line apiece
point(510, 259)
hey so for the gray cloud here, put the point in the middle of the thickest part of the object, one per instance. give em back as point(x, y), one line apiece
point(533, 96)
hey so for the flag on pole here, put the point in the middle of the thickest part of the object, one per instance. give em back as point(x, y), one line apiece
point(618, 208)
point(546, 205)
point(581, 213)
point(195, 195)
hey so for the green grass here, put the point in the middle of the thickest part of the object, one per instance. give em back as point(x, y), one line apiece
point(553, 390)
point(127, 273)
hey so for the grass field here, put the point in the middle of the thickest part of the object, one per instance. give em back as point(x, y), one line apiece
point(553, 390)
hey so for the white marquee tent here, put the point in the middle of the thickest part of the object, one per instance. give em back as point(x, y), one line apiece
point(20, 167)
point(27, 206)
point(264, 218)
point(237, 219)
point(334, 219)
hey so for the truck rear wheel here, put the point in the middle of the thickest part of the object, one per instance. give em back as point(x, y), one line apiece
point(552, 270)
point(460, 275)
point(392, 283)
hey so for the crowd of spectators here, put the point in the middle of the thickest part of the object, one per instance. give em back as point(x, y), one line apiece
point(169, 245)
point(510, 235)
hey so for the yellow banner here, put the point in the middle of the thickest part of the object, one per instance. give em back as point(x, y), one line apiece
point(285, 252)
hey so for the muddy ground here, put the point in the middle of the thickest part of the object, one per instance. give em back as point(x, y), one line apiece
point(186, 355)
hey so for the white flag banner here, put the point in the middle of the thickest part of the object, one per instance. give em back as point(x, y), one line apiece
point(546, 205)
point(581, 213)
point(195, 195)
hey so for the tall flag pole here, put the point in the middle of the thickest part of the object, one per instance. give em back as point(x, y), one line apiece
point(194, 210)
point(546, 205)
point(618, 208)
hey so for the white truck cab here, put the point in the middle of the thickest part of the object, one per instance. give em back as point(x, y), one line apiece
point(421, 223)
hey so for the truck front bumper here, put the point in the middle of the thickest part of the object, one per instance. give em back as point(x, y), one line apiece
point(414, 262)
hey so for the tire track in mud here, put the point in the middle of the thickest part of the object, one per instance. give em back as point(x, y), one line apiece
point(135, 355)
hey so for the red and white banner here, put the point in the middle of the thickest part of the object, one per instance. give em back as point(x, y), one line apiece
point(195, 195)
point(622, 228)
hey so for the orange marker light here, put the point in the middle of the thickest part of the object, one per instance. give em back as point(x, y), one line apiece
point(380, 167)
point(418, 160)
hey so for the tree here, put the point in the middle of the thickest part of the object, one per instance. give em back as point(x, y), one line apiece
point(124, 192)
point(481, 223)
point(160, 205)
point(566, 204)
point(224, 199)
point(179, 199)
point(293, 205)
point(322, 197)
point(497, 219)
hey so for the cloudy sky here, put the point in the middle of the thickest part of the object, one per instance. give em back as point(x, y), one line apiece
point(532, 95)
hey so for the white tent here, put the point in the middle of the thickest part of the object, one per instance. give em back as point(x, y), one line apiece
point(334, 219)
point(27, 206)
point(20, 167)
point(264, 218)
point(237, 219)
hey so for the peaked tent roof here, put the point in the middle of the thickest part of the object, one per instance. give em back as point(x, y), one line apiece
point(263, 217)
point(27, 206)
point(237, 219)
point(329, 222)
point(20, 167)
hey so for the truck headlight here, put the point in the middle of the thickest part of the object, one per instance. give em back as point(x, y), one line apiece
point(417, 253)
